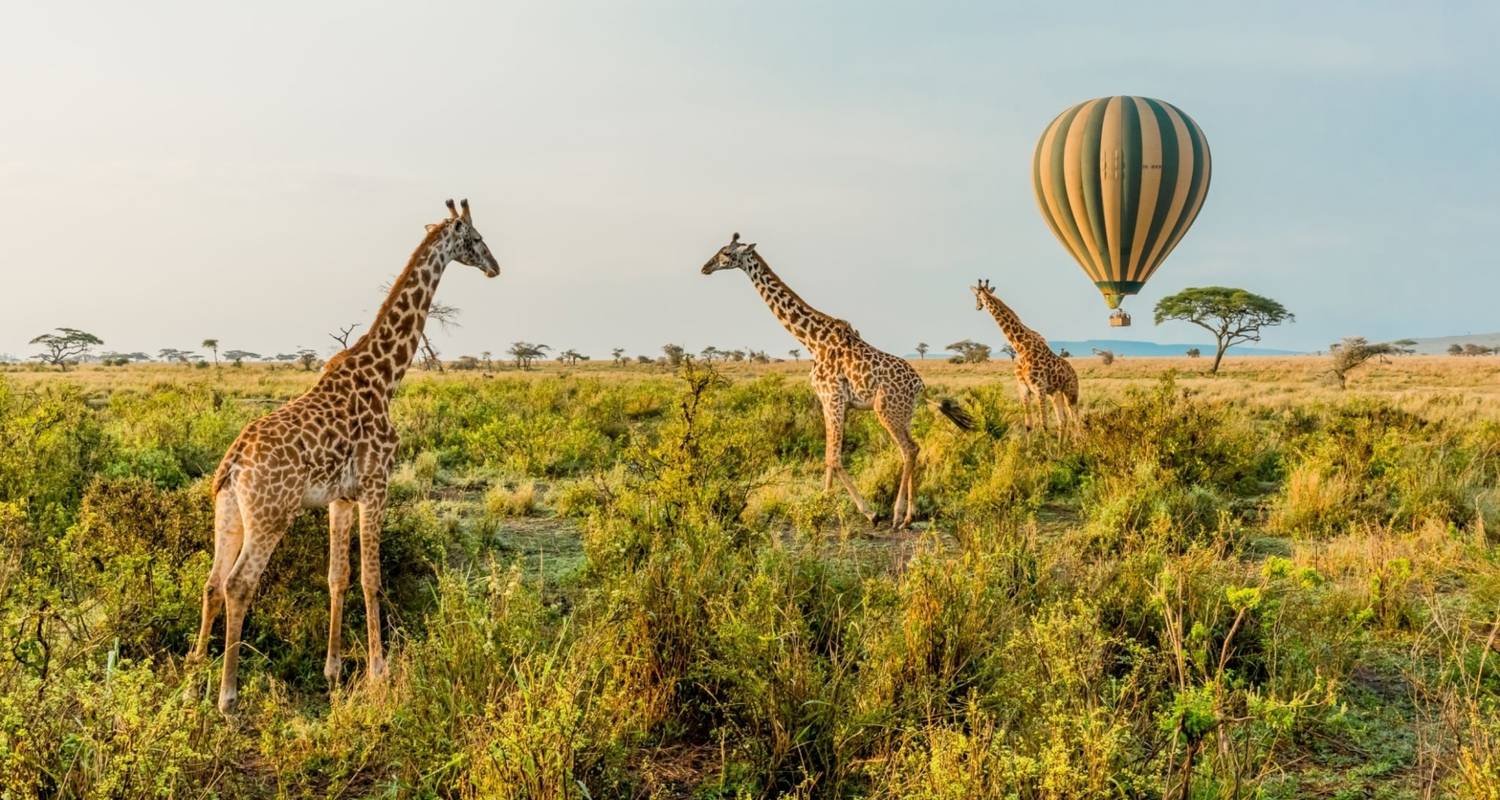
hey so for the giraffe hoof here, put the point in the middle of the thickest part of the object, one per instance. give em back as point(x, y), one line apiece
point(227, 699)
point(332, 668)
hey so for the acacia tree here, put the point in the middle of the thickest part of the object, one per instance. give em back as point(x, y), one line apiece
point(1106, 357)
point(212, 346)
point(65, 345)
point(795, 354)
point(525, 352)
point(1233, 316)
point(922, 349)
point(1010, 352)
point(619, 355)
point(969, 351)
point(1353, 352)
point(173, 354)
point(237, 357)
point(571, 357)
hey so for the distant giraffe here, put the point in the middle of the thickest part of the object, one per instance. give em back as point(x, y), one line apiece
point(332, 446)
point(847, 373)
point(1040, 373)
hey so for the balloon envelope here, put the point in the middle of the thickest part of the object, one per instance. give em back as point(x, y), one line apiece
point(1120, 180)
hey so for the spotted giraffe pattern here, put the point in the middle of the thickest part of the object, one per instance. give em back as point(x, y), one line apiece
point(1040, 373)
point(847, 373)
point(332, 446)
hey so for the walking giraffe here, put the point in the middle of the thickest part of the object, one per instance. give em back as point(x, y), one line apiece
point(1040, 373)
point(847, 373)
point(332, 446)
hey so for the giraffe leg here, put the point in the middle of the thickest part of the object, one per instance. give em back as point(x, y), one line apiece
point(1026, 395)
point(263, 531)
point(340, 522)
point(834, 408)
point(371, 511)
point(229, 534)
point(898, 425)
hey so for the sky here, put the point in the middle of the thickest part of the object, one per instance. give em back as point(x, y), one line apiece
point(255, 172)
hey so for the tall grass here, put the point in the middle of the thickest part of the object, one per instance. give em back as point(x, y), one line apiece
point(630, 584)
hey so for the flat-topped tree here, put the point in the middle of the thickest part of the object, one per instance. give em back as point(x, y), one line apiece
point(1233, 316)
point(64, 346)
point(922, 349)
point(1352, 353)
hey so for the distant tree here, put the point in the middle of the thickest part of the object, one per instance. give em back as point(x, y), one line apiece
point(1353, 352)
point(1009, 351)
point(525, 353)
point(922, 349)
point(969, 352)
point(466, 363)
point(1231, 315)
point(759, 357)
point(488, 364)
point(1193, 352)
point(1472, 349)
point(1455, 349)
point(342, 337)
point(1063, 353)
point(1105, 356)
point(65, 345)
point(645, 360)
point(736, 355)
point(1404, 347)
point(675, 353)
point(212, 346)
point(170, 354)
point(237, 357)
point(795, 354)
point(619, 356)
point(308, 358)
point(709, 353)
point(571, 357)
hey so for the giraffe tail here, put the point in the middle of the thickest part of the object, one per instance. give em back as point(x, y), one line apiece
point(951, 409)
point(226, 468)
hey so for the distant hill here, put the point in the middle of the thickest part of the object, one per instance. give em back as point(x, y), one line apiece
point(1125, 347)
point(1440, 344)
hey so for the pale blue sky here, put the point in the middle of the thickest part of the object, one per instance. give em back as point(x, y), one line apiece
point(176, 171)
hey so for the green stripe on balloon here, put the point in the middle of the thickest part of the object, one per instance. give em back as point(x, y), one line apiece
point(1093, 199)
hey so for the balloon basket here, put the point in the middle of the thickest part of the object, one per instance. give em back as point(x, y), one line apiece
point(1119, 319)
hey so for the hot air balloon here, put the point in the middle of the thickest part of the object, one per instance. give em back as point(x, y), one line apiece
point(1120, 180)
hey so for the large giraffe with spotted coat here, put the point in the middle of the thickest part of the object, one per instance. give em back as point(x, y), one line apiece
point(847, 374)
point(332, 446)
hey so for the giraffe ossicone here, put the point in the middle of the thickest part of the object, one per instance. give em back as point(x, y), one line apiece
point(847, 373)
point(331, 446)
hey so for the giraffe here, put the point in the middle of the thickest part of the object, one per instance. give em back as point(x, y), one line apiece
point(330, 447)
point(847, 373)
point(1040, 373)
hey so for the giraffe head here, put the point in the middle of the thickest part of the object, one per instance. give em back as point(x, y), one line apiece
point(731, 256)
point(981, 290)
point(461, 242)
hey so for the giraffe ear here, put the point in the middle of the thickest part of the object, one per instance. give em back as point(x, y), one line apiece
point(430, 228)
point(750, 248)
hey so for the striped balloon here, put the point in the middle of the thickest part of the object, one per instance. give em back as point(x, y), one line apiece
point(1120, 180)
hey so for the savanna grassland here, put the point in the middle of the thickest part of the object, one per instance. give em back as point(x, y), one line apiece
point(626, 582)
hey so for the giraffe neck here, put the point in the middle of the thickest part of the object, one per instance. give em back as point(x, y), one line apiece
point(391, 342)
point(811, 326)
point(1019, 336)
